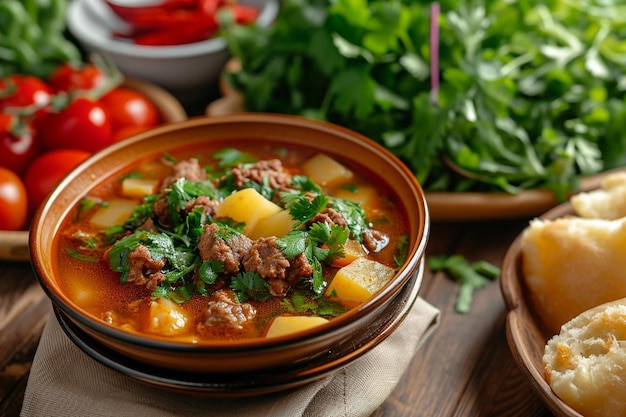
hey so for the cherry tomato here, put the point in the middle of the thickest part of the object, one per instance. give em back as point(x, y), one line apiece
point(130, 108)
point(68, 78)
point(47, 170)
point(84, 124)
point(24, 90)
point(128, 131)
point(18, 145)
point(13, 201)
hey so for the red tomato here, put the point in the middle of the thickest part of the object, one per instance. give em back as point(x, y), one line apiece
point(18, 145)
point(13, 201)
point(130, 108)
point(69, 78)
point(127, 132)
point(84, 125)
point(23, 90)
point(47, 170)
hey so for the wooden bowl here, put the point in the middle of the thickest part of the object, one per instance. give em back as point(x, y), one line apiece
point(247, 356)
point(525, 333)
point(14, 244)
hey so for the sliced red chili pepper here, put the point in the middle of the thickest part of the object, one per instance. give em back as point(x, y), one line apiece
point(149, 19)
point(177, 35)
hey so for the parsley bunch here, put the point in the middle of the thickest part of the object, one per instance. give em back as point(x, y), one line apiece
point(531, 93)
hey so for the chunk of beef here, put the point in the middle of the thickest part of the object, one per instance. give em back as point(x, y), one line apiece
point(375, 240)
point(189, 169)
point(266, 259)
point(299, 267)
point(230, 252)
point(143, 270)
point(208, 206)
point(223, 311)
point(330, 216)
point(271, 169)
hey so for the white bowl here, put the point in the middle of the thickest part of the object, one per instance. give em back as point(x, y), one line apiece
point(180, 69)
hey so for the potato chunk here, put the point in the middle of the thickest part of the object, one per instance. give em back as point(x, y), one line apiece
point(116, 211)
point(277, 224)
point(247, 206)
point(283, 325)
point(359, 280)
point(167, 318)
point(364, 195)
point(352, 249)
point(138, 187)
point(326, 171)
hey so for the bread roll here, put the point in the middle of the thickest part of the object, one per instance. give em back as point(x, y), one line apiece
point(585, 364)
point(572, 264)
point(608, 202)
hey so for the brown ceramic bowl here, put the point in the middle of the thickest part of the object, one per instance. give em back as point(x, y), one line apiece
point(526, 335)
point(352, 331)
point(14, 244)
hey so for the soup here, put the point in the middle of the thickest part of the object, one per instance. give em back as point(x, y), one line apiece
point(224, 244)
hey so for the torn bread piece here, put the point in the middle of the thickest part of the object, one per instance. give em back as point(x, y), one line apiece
point(585, 364)
point(572, 264)
point(607, 202)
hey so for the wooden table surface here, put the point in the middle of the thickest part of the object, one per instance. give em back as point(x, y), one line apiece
point(464, 369)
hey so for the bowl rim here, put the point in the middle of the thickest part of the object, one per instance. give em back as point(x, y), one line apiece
point(405, 273)
point(83, 31)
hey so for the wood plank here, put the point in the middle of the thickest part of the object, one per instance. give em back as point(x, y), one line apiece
point(23, 312)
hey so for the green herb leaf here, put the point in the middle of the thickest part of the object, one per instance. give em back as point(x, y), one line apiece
point(249, 285)
point(470, 277)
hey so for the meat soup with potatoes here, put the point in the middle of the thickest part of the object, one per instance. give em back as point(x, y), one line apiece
point(230, 243)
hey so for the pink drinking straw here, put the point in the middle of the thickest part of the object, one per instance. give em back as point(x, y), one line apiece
point(434, 52)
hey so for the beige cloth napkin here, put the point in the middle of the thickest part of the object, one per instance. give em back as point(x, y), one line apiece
point(64, 381)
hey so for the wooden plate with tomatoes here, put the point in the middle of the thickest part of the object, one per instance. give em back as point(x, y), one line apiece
point(35, 178)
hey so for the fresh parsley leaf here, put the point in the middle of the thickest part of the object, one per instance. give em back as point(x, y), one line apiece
point(305, 184)
point(302, 209)
point(293, 244)
point(470, 277)
point(400, 252)
point(81, 257)
point(210, 270)
point(249, 285)
point(333, 238)
point(229, 157)
point(353, 214)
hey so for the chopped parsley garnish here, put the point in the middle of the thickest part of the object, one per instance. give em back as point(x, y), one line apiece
point(300, 304)
point(249, 285)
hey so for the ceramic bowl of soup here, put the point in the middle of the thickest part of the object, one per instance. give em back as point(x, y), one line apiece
point(237, 254)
